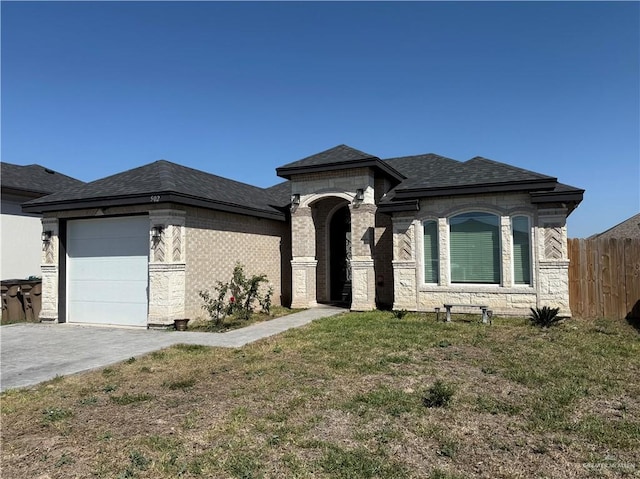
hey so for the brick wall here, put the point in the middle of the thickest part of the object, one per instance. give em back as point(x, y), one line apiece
point(216, 241)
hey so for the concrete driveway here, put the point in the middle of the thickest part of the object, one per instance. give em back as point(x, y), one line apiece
point(33, 352)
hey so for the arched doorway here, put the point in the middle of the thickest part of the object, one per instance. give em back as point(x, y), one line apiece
point(340, 256)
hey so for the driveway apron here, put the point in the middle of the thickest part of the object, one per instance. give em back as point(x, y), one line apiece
point(33, 352)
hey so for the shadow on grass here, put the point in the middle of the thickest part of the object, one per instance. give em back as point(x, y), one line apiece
point(633, 317)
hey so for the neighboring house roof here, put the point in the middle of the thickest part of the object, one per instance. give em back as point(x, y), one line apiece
point(165, 182)
point(629, 228)
point(412, 178)
point(33, 180)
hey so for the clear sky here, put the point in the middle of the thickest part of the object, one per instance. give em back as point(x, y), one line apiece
point(237, 89)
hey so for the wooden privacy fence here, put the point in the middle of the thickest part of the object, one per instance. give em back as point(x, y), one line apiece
point(604, 278)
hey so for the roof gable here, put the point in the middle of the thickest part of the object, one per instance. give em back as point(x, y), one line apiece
point(338, 158)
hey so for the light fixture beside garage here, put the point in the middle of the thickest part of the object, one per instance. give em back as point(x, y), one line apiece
point(156, 232)
point(46, 236)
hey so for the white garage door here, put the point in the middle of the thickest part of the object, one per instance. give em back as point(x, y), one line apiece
point(107, 271)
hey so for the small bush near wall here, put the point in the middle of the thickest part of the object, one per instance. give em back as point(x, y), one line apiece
point(236, 298)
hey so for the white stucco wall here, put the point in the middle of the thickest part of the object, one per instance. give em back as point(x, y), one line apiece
point(20, 242)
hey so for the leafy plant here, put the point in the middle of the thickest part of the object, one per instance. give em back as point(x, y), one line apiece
point(439, 395)
point(544, 317)
point(237, 297)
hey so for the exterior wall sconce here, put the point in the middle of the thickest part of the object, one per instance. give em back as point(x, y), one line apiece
point(295, 201)
point(46, 236)
point(359, 197)
point(156, 232)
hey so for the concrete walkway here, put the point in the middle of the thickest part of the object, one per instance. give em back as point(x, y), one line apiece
point(34, 352)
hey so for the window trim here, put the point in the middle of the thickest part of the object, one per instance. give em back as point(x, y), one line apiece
point(422, 252)
point(531, 255)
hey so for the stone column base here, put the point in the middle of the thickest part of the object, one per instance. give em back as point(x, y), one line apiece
point(404, 285)
point(363, 285)
point(303, 285)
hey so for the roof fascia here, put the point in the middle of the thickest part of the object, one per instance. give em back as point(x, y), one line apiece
point(166, 197)
point(474, 189)
point(557, 196)
point(288, 172)
point(398, 206)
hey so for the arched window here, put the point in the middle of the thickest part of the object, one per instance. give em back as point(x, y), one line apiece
point(521, 250)
point(474, 243)
point(431, 256)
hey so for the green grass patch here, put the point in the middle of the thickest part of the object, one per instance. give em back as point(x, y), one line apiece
point(344, 397)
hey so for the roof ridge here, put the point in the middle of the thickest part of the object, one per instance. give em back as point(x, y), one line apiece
point(165, 174)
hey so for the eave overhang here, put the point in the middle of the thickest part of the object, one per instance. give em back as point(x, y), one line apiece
point(146, 199)
point(372, 162)
point(399, 206)
point(406, 193)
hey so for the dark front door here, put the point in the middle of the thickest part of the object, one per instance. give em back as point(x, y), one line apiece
point(340, 255)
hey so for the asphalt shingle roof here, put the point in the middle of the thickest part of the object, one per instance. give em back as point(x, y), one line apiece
point(34, 179)
point(432, 171)
point(413, 176)
point(629, 228)
point(166, 177)
point(337, 154)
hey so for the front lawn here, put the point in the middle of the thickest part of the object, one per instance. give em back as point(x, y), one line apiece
point(352, 396)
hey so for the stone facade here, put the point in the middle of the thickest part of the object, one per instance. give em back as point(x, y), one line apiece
point(320, 195)
point(549, 282)
point(196, 248)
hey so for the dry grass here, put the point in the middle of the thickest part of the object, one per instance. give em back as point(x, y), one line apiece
point(343, 397)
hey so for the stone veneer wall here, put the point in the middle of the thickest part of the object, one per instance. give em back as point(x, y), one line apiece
point(216, 241)
point(315, 188)
point(549, 286)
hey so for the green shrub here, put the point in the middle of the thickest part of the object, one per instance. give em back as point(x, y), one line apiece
point(439, 395)
point(544, 317)
point(237, 297)
point(399, 313)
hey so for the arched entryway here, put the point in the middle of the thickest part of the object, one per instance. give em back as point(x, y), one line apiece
point(340, 256)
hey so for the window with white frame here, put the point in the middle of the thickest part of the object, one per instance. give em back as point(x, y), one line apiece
point(474, 244)
point(521, 250)
point(431, 255)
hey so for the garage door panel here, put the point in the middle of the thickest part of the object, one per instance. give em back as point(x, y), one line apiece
point(108, 291)
point(117, 268)
point(107, 271)
point(105, 313)
point(107, 247)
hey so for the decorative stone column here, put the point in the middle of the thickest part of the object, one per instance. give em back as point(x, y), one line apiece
point(167, 267)
point(506, 254)
point(553, 260)
point(404, 264)
point(363, 276)
point(304, 263)
point(50, 271)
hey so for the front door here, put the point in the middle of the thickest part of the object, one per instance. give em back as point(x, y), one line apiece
point(340, 255)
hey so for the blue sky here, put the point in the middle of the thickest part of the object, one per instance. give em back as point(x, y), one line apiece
point(237, 89)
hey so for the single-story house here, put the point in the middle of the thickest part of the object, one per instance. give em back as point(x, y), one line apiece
point(629, 228)
point(346, 226)
point(20, 249)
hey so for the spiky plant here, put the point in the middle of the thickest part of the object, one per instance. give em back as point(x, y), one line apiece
point(545, 316)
